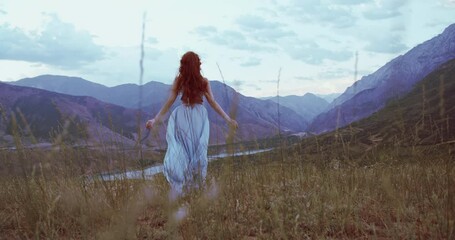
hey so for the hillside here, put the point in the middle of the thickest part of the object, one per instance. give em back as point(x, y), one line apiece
point(393, 80)
point(425, 116)
point(47, 114)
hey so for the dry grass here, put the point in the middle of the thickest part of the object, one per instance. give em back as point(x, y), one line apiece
point(245, 199)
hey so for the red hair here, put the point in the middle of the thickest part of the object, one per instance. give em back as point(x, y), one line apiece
point(189, 81)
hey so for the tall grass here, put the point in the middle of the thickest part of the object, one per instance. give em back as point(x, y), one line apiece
point(383, 195)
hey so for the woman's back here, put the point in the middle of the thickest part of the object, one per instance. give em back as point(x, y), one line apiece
point(187, 134)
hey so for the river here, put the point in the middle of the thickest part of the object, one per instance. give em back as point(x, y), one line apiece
point(151, 171)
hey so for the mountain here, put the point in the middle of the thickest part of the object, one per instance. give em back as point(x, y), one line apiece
point(126, 95)
point(329, 97)
point(76, 119)
point(391, 81)
point(308, 106)
point(424, 116)
point(257, 118)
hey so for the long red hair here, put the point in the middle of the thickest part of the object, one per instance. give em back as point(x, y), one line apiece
point(189, 81)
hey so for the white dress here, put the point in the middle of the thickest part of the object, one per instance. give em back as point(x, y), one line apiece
point(187, 136)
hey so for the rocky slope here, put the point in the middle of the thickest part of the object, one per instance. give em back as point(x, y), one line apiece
point(393, 80)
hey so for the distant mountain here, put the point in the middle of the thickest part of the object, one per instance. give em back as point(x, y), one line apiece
point(257, 118)
point(126, 95)
point(329, 97)
point(308, 106)
point(391, 81)
point(48, 115)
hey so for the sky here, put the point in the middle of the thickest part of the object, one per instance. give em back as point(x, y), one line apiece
point(308, 45)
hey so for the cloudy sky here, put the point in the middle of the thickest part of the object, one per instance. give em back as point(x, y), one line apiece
point(313, 42)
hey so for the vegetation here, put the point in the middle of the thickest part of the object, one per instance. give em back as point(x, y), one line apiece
point(401, 193)
point(389, 176)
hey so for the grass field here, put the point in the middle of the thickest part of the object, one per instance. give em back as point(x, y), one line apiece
point(298, 193)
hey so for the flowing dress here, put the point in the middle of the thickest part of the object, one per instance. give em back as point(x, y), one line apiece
point(187, 136)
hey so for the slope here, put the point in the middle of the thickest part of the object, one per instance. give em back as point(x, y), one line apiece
point(393, 80)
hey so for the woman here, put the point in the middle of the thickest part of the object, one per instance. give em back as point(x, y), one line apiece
point(185, 162)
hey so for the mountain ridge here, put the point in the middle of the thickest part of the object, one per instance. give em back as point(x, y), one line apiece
point(308, 106)
point(254, 124)
point(392, 80)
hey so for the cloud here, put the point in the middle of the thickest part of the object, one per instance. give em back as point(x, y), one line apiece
point(391, 4)
point(437, 23)
point(59, 44)
point(151, 40)
point(304, 78)
point(387, 43)
point(310, 52)
point(268, 81)
point(253, 23)
point(384, 9)
point(327, 14)
point(3, 12)
point(378, 14)
point(263, 30)
point(205, 31)
point(267, 11)
point(237, 84)
point(400, 27)
point(350, 2)
point(448, 3)
point(335, 73)
point(230, 38)
point(122, 66)
point(251, 62)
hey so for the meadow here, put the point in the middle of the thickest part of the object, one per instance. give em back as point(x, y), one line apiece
point(298, 191)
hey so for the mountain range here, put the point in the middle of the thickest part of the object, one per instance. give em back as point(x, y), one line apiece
point(125, 95)
point(391, 81)
point(329, 97)
point(257, 118)
point(308, 106)
point(423, 117)
point(44, 116)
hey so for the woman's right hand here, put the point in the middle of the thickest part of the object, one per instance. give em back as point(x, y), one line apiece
point(150, 124)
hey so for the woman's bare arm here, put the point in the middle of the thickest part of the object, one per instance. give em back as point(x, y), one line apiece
point(214, 104)
point(171, 99)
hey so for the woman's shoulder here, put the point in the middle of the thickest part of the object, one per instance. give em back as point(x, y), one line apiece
point(206, 82)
